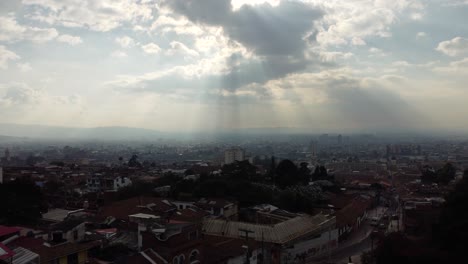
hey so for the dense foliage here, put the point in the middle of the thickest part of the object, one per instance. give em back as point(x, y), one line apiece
point(22, 203)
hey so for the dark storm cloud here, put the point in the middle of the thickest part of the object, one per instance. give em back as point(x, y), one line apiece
point(278, 35)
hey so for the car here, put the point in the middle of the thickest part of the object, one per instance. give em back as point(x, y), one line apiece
point(382, 226)
point(395, 217)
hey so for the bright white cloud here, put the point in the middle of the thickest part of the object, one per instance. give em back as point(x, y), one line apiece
point(454, 47)
point(180, 48)
point(103, 15)
point(125, 42)
point(347, 21)
point(151, 48)
point(69, 39)
point(6, 56)
point(11, 31)
point(421, 34)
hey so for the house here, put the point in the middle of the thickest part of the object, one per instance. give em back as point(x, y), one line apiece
point(56, 253)
point(351, 216)
point(297, 237)
point(175, 242)
point(99, 182)
point(222, 250)
point(72, 230)
point(218, 207)
point(122, 209)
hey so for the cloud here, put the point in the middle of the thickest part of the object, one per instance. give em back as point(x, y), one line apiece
point(421, 34)
point(24, 67)
point(345, 21)
point(103, 15)
point(454, 47)
point(6, 56)
point(11, 31)
point(16, 93)
point(278, 36)
point(180, 48)
point(459, 67)
point(20, 102)
point(125, 42)
point(353, 102)
point(119, 54)
point(72, 40)
point(151, 48)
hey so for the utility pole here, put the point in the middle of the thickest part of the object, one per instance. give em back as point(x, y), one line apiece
point(329, 244)
point(263, 249)
point(246, 247)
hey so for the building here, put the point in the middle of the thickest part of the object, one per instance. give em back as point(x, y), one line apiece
point(233, 154)
point(298, 237)
point(18, 249)
point(218, 207)
point(100, 182)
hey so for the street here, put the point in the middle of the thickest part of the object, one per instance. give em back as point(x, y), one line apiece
point(358, 242)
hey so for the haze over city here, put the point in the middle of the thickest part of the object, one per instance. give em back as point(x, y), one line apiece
point(218, 65)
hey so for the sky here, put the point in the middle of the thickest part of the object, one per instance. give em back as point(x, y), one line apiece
point(210, 65)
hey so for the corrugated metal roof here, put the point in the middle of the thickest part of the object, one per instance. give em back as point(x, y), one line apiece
point(279, 233)
point(24, 256)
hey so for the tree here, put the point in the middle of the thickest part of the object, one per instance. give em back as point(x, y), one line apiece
point(441, 176)
point(320, 173)
point(133, 162)
point(286, 174)
point(304, 173)
point(240, 170)
point(446, 174)
point(428, 175)
point(22, 203)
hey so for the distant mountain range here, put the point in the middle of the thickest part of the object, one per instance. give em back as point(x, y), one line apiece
point(57, 132)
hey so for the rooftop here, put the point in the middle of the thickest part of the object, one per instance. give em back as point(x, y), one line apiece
point(279, 233)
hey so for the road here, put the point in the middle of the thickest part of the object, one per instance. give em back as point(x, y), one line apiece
point(355, 245)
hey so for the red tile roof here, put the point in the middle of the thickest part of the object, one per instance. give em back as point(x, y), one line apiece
point(50, 253)
point(5, 252)
point(122, 209)
point(8, 230)
point(220, 249)
point(349, 214)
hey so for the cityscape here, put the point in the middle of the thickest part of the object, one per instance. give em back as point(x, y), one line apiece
point(233, 131)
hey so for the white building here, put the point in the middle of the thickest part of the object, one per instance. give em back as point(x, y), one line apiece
point(99, 182)
point(234, 154)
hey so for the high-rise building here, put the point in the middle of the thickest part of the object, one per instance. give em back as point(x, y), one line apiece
point(233, 154)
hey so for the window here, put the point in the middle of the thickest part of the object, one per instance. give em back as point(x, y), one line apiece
point(75, 235)
point(193, 255)
point(72, 259)
point(193, 235)
point(179, 259)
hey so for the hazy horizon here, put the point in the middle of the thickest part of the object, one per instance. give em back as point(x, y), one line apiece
point(363, 66)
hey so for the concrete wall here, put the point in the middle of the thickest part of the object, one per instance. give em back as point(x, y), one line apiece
point(318, 245)
point(240, 259)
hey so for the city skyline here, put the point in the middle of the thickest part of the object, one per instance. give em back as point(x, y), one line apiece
point(216, 65)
